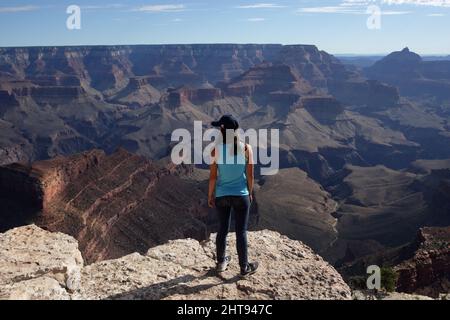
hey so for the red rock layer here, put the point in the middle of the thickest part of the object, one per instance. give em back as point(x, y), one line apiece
point(113, 205)
point(428, 272)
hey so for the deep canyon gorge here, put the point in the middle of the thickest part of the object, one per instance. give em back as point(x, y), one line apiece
point(364, 152)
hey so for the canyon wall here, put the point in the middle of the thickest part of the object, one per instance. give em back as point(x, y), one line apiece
point(108, 203)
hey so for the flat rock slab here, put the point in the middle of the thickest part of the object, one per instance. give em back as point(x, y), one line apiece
point(185, 269)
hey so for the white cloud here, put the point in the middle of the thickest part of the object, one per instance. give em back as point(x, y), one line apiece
point(349, 7)
point(433, 3)
point(394, 13)
point(18, 9)
point(162, 8)
point(106, 6)
point(331, 9)
point(355, 3)
point(436, 15)
point(256, 19)
point(261, 6)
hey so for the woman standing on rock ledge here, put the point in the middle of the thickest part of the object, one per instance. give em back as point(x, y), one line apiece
point(230, 187)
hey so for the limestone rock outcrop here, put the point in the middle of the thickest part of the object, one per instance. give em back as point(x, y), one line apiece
point(37, 264)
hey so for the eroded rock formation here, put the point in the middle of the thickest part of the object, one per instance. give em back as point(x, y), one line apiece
point(111, 204)
point(428, 271)
point(414, 76)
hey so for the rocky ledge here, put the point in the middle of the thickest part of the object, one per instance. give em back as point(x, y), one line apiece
point(428, 271)
point(37, 264)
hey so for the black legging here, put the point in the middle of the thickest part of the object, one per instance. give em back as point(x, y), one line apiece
point(241, 208)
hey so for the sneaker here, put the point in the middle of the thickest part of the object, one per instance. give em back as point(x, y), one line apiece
point(250, 269)
point(222, 266)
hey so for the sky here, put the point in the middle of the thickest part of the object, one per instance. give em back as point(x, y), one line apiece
point(336, 26)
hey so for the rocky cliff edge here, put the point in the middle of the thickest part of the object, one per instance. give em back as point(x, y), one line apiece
point(36, 264)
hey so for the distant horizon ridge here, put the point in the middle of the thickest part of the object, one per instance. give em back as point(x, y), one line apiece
point(345, 54)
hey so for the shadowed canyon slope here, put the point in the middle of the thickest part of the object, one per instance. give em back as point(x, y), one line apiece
point(422, 266)
point(414, 76)
point(381, 207)
point(298, 207)
point(111, 204)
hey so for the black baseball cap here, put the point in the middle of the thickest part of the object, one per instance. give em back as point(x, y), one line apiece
point(227, 121)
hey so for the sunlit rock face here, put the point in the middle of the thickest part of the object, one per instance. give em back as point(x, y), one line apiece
point(37, 264)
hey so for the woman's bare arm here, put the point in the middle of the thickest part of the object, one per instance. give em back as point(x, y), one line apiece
point(250, 170)
point(212, 180)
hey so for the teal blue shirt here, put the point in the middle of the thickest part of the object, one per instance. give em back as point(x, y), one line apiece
point(231, 178)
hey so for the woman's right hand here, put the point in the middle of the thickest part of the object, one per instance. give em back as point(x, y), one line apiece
point(211, 202)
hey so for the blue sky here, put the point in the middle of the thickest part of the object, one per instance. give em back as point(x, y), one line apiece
point(337, 26)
